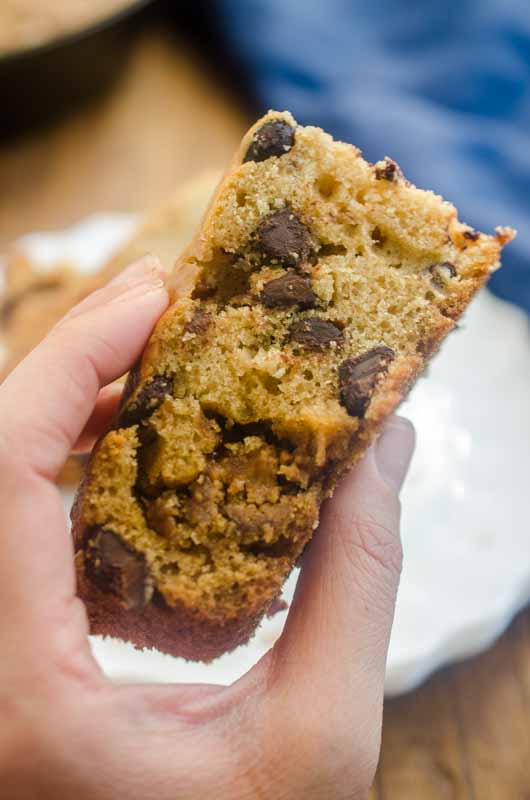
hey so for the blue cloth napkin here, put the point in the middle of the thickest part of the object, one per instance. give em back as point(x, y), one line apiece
point(444, 88)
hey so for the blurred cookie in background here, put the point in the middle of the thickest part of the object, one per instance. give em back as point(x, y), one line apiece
point(37, 294)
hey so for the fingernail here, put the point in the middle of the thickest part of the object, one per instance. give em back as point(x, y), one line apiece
point(147, 270)
point(393, 451)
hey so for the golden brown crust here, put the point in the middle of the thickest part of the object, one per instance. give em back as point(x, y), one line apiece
point(178, 631)
point(302, 312)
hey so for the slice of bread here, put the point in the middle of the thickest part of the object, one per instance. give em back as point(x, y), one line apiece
point(301, 314)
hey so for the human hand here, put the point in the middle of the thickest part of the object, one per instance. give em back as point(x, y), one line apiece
point(303, 723)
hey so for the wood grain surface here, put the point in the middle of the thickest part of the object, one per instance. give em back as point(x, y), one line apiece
point(465, 735)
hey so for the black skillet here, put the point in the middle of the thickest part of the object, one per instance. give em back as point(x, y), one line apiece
point(40, 83)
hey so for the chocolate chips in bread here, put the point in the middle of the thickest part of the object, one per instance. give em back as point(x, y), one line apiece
point(301, 314)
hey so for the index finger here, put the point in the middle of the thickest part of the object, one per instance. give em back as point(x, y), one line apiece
point(44, 405)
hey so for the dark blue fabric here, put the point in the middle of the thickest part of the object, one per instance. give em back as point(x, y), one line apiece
point(442, 87)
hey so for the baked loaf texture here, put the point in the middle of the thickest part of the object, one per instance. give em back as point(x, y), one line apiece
point(301, 314)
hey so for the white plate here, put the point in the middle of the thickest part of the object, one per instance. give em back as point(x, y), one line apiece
point(466, 503)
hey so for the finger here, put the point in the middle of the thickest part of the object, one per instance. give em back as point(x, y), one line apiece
point(44, 405)
point(47, 400)
point(130, 277)
point(101, 417)
point(338, 628)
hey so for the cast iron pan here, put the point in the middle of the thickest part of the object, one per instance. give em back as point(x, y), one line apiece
point(39, 84)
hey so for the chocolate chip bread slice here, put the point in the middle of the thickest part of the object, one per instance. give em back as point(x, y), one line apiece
point(301, 314)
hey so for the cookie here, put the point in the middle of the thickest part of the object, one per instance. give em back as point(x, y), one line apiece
point(301, 314)
point(32, 301)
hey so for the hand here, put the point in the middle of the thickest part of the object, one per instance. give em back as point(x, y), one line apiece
point(303, 723)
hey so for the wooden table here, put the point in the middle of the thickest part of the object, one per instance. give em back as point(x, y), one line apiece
point(466, 734)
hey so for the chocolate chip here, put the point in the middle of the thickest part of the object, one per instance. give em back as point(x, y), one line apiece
point(390, 172)
point(441, 273)
point(315, 333)
point(146, 401)
point(132, 382)
point(471, 235)
point(358, 378)
point(147, 434)
point(275, 138)
point(287, 486)
point(199, 323)
point(283, 238)
point(377, 236)
point(116, 568)
point(289, 290)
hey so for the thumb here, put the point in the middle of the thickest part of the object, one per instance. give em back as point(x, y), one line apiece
point(338, 628)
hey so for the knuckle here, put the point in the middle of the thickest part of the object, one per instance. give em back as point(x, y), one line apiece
point(84, 350)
